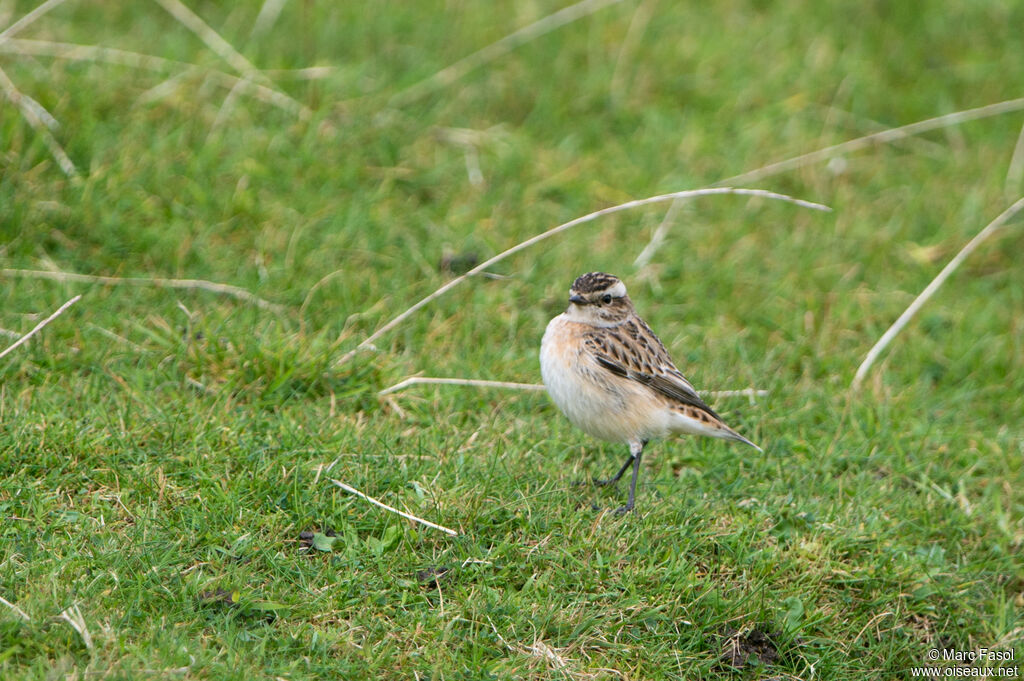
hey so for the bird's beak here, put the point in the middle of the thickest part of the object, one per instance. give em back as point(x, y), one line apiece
point(578, 299)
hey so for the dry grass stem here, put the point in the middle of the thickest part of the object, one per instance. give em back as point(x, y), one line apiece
point(1015, 171)
point(39, 327)
point(473, 171)
point(167, 87)
point(749, 393)
point(76, 52)
point(305, 73)
point(874, 620)
point(29, 109)
point(28, 19)
point(267, 17)
point(17, 611)
point(887, 136)
point(546, 652)
point(452, 73)
point(223, 49)
point(392, 509)
point(199, 386)
point(883, 137)
point(1009, 639)
point(927, 293)
point(188, 284)
point(73, 616)
point(658, 237)
point(637, 26)
point(40, 112)
point(119, 339)
point(479, 383)
point(226, 107)
point(925, 146)
point(569, 225)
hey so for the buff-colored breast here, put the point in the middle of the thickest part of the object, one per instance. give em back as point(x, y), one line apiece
point(596, 401)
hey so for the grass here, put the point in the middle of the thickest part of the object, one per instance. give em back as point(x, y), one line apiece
point(165, 454)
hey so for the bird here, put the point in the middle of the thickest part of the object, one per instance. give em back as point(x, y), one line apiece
point(613, 379)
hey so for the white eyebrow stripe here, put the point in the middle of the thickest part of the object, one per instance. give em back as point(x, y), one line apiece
point(617, 291)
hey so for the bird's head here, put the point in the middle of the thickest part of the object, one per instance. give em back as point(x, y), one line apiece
point(599, 299)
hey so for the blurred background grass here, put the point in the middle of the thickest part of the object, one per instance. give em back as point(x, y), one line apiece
point(158, 446)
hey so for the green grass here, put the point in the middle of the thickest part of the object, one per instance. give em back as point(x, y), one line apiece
point(161, 451)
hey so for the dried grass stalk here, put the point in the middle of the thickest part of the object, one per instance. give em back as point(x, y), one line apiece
point(882, 137)
point(223, 49)
point(97, 53)
point(17, 611)
point(1015, 171)
point(506, 385)
point(31, 114)
point(887, 136)
point(474, 382)
point(39, 327)
point(452, 73)
point(930, 290)
point(269, 12)
point(28, 19)
point(658, 237)
point(563, 227)
point(73, 616)
point(392, 509)
point(642, 16)
point(188, 284)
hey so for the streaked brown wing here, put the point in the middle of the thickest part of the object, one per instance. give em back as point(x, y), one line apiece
point(632, 351)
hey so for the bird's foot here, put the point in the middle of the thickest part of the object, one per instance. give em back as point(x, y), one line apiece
point(603, 483)
point(623, 510)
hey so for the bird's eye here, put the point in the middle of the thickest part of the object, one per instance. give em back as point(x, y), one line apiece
point(606, 299)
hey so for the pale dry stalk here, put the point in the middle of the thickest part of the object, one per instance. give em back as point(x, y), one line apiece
point(497, 49)
point(887, 136)
point(223, 49)
point(392, 509)
point(39, 327)
point(506, 385)
point(930, 290)
point(31, 114)
point(97, 53)
point(561, 228)
point(187, 284)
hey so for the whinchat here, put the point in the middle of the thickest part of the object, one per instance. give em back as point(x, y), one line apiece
point(611, 376)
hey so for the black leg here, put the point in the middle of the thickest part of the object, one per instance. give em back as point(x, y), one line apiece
point(618, 476)
point(632, 485)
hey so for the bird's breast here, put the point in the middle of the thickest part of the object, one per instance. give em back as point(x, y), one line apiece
point(596, 401)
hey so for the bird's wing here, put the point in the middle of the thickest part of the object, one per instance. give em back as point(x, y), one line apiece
point(631, 350)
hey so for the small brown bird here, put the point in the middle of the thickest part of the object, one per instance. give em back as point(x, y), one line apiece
point(612, 377)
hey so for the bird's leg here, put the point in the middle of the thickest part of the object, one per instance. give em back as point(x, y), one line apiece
point(618, 476)
point(637, 450)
